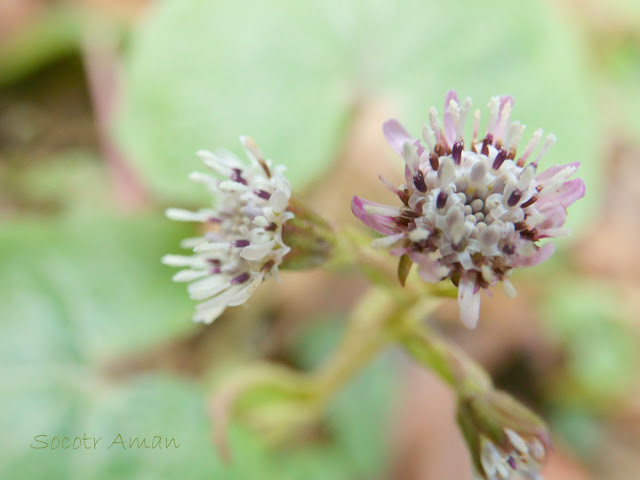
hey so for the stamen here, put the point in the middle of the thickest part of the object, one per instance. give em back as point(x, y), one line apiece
point(243, 277)
point(494, 107)
point(548, 143)
point(236, 176)
point(533, 143)
point(429, 137)
point(476, 127)
point(465, 108)
point(241, 243)
point(410, 157)
point(434, 121)
point(418, 181)
point(513, 137)
point(262, 194)
point(434, 160)
point(254, 152)
point(499, 160)
point(505, 113)
point(457, 152)
point(488, 140)
point(514, 198)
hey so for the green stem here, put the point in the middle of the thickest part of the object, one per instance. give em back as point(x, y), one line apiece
point(379, 320)
point(447, 360)
point(364, 338)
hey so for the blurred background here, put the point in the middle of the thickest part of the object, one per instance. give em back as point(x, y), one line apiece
point(102, 106)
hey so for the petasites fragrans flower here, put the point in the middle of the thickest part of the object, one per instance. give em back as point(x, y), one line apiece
point(472, 212)
point(506, 440)
point(243, 242)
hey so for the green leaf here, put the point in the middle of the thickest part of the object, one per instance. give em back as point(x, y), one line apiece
point(201, 73)
point(588, 318)
point(95, 284)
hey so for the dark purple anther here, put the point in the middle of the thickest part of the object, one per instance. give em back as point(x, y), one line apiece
point(512, 463)
point(214, 261)
point(441, 200)
point(271, 227)
point(434, 160)
point(236, 176)
point(514, 198)
point(243, 277)
point(418, 181)
point(499, 160)
point(456, 152)
point(241, 243)
point(262, 194)
point(529, 202)
point(509, 249)
point(488, 140)
point(215, 270)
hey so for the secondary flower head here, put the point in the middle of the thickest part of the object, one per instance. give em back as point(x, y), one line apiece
point(506, 440)
point(243, 242)
point(472, 213)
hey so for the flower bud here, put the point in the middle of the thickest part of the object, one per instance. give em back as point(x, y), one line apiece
point(310, 238)
point(507, 441)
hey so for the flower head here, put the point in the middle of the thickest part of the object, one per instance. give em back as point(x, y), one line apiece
point(472, 213)
point(507, 441)
point(243, 241)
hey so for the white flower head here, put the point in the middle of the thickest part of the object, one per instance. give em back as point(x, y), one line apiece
point(243, 243)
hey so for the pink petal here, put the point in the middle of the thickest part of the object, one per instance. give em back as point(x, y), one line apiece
point(555, 215)
point(396, 135)
point(570, 192)
point(381, 223)
point(469, 300)
point(449, 124)
point(542, 254)
point(429, 270)
point(550, 172)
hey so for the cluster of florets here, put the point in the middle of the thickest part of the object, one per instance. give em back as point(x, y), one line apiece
point(472, 213)
point(243, 243)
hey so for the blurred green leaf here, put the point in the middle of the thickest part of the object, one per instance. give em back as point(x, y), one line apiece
point(96, 282)
point(619, 78)
point(580, 429)
point(587, 317)
point(201, 72)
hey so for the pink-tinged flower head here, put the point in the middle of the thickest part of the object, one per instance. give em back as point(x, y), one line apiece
point(472, 212)
point(243, 244)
